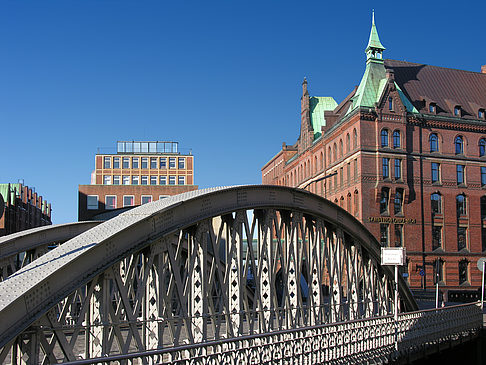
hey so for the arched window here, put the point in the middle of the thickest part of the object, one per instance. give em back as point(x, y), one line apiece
point(340, 148)
point(315, 164)
point(348, 143)
point(384, 138)
point(329, 156)
point(322, 160)
point(436, 203)
point(459, 145)
point(334, 150)
point(482, 147)
point(461, 205)
point(463, 272)
point(396, 139)
point(348, 203)
point(356, 202)
point(355, 138)
point(434, 142)
point(398, 201)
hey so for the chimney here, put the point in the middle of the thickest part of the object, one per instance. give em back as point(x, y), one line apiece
point(483, 69)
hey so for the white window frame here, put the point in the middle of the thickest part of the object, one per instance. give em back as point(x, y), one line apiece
point(145, 179)
point(127, 160)
point(135, 180)
point(106, 179)
point(145, 196)
point(181, 178)
point(163, 162)
point(181, 163)
point(107, 162)
point(172, 180)
point(91, 207)
point(117, 160)
point(129, 196)
point(116, 179)
point(172, 163)
point(164, 179)
point(126, 179)
point(145, 161)
point(106, 202)
point(153, 178)
point(135, 161)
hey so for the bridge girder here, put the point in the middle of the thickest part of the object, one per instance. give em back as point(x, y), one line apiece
point(164, 261)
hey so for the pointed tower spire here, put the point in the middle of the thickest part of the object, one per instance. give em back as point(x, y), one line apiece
point(374, 49)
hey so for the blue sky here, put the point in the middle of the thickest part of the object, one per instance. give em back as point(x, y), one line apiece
point(221, 77)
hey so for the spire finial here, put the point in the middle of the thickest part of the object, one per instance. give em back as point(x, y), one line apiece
point(373, 17)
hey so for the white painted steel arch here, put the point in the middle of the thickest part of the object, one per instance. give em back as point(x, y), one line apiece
point(32, 291)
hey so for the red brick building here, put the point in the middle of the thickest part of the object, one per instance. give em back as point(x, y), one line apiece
point(405, 152)
point(139, 172)
point(22, 208)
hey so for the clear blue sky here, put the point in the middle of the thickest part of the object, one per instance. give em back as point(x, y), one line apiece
point(222, 78)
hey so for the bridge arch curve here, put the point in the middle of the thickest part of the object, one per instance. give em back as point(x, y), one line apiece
point(302, 227)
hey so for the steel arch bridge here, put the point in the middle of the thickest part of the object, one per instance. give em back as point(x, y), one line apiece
point(201, 266)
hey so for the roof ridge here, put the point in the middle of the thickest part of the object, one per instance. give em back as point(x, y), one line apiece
point(426, 64)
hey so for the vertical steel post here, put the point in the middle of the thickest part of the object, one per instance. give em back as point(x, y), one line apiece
point(482, 287)
point(396, 307)
point(437, 284)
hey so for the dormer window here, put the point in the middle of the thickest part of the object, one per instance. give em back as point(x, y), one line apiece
point(432, 108)
point(457, 111)
point(481, 114)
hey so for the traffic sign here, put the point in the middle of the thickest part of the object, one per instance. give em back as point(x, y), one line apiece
point(422, 272)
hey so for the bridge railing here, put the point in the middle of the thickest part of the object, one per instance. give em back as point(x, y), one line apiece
point(357, 340)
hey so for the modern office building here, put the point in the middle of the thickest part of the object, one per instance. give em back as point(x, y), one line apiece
point(138, 173)
point(405, 153)
point(22, 208)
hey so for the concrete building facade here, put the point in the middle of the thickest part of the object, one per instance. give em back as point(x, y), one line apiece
point(405, 152)
point(138, 173)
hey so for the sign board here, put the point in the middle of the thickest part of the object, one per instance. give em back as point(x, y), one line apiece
point(393, 256)
point(480, 263)
point(422, 272)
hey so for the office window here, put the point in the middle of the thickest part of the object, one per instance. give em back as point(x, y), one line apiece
point(460, 174)
point(341, 179)
point(481, 114)
point(334, 150)
point(144, 162)
point(181, 180)
point(436, 237)
point(153, 162)
point(163, 180)
point(398, 201)
point(92, 202)
point(163, 162)
point(106, 179)
point(172, 162)
point(135, 180)
point(458, 145)
point(126, 180)
point(398, 169)
point(384, 237)
point(181, 162)
point(355, 168)
point(435, 172)
point(398, 235)
point(460, 205)
point(355, 138)
point(483, 176)
point(110, 202)
point(434, 142)
point(386, 164)
point(107, 162)
point(482, 147)
point(144, 180)
point(432, 108)
point(348, 171)
point(356, 202)
point(396, 139)
point(116, 162)
point(153, 180)
point(126, 162)
point(348, 143)
point(116, 180)
point(438, 271)
point(384, 200)
point(128, 200)
point(436, 203)
point(135, 163)
point(384, 138)
point(172, 180)
point(390, 103)
point(146, 199)
point(463, 271)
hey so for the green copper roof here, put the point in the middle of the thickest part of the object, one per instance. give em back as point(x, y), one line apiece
point(318, 105)
point(369, 88)
point(374, 41)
